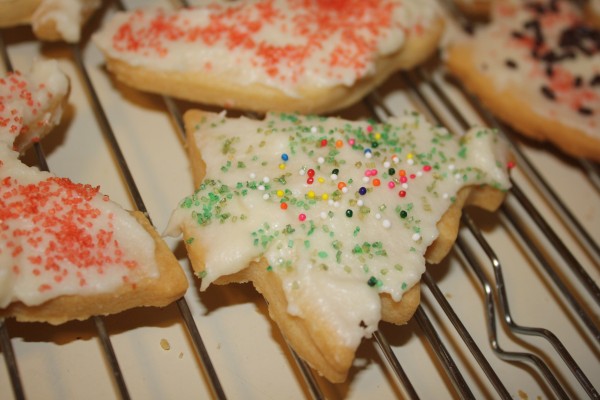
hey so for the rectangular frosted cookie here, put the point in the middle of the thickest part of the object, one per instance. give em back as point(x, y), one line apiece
point(281, 55)
point(331, 220)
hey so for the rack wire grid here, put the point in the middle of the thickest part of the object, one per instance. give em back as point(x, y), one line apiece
point(511, 313)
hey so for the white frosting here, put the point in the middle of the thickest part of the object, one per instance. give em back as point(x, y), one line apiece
point(279, 43)
point(324, 257)
point(68, 16)
point(57, 237)
point(495, 45)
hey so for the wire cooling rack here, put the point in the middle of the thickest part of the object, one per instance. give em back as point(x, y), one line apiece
point(511, 313)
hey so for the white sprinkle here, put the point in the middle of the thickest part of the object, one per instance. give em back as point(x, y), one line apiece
point(457, 176)
point(451, 167)
point(416, 237)
point(323, 215)
point(336, 204)
point(334, 177)
point(330, 202)
point(445, 195)
point(320, 160)
point(386, 223)
point(404, 186)
point(266, 179)
point(377, 216)
point(314, 129)
point(345, 189)
point(410, 161)
point(366, 179)
point(368, 154)
point(386, 164)
point(302, 171)
point(419, 173)
point(261, 187)
point(252, 175)
point(266, 196)
point(396, 160)
point(360, 203)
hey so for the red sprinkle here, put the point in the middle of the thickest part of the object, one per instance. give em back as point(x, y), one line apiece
point(61, 213)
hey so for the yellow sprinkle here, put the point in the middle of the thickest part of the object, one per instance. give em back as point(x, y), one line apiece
point(280, 193)
point(378, 136)
point(311, 194)
point(321, 179)
point(409, 155)
point(325, 196)
point(282, 166)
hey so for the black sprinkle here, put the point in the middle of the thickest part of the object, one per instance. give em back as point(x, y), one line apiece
point(595, 80)
point(511, 64)
point(585, 111)
point(578, 81)
point(548, 93)
point(517, 35)
point(535, 26)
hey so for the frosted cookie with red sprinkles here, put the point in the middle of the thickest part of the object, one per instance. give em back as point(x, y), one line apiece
point(331, 220)
point(307, 56)
point(66, 250)
point(537, 67)
point(51, 20)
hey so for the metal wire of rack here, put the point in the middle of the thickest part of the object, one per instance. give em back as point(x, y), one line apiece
point(554, 382)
